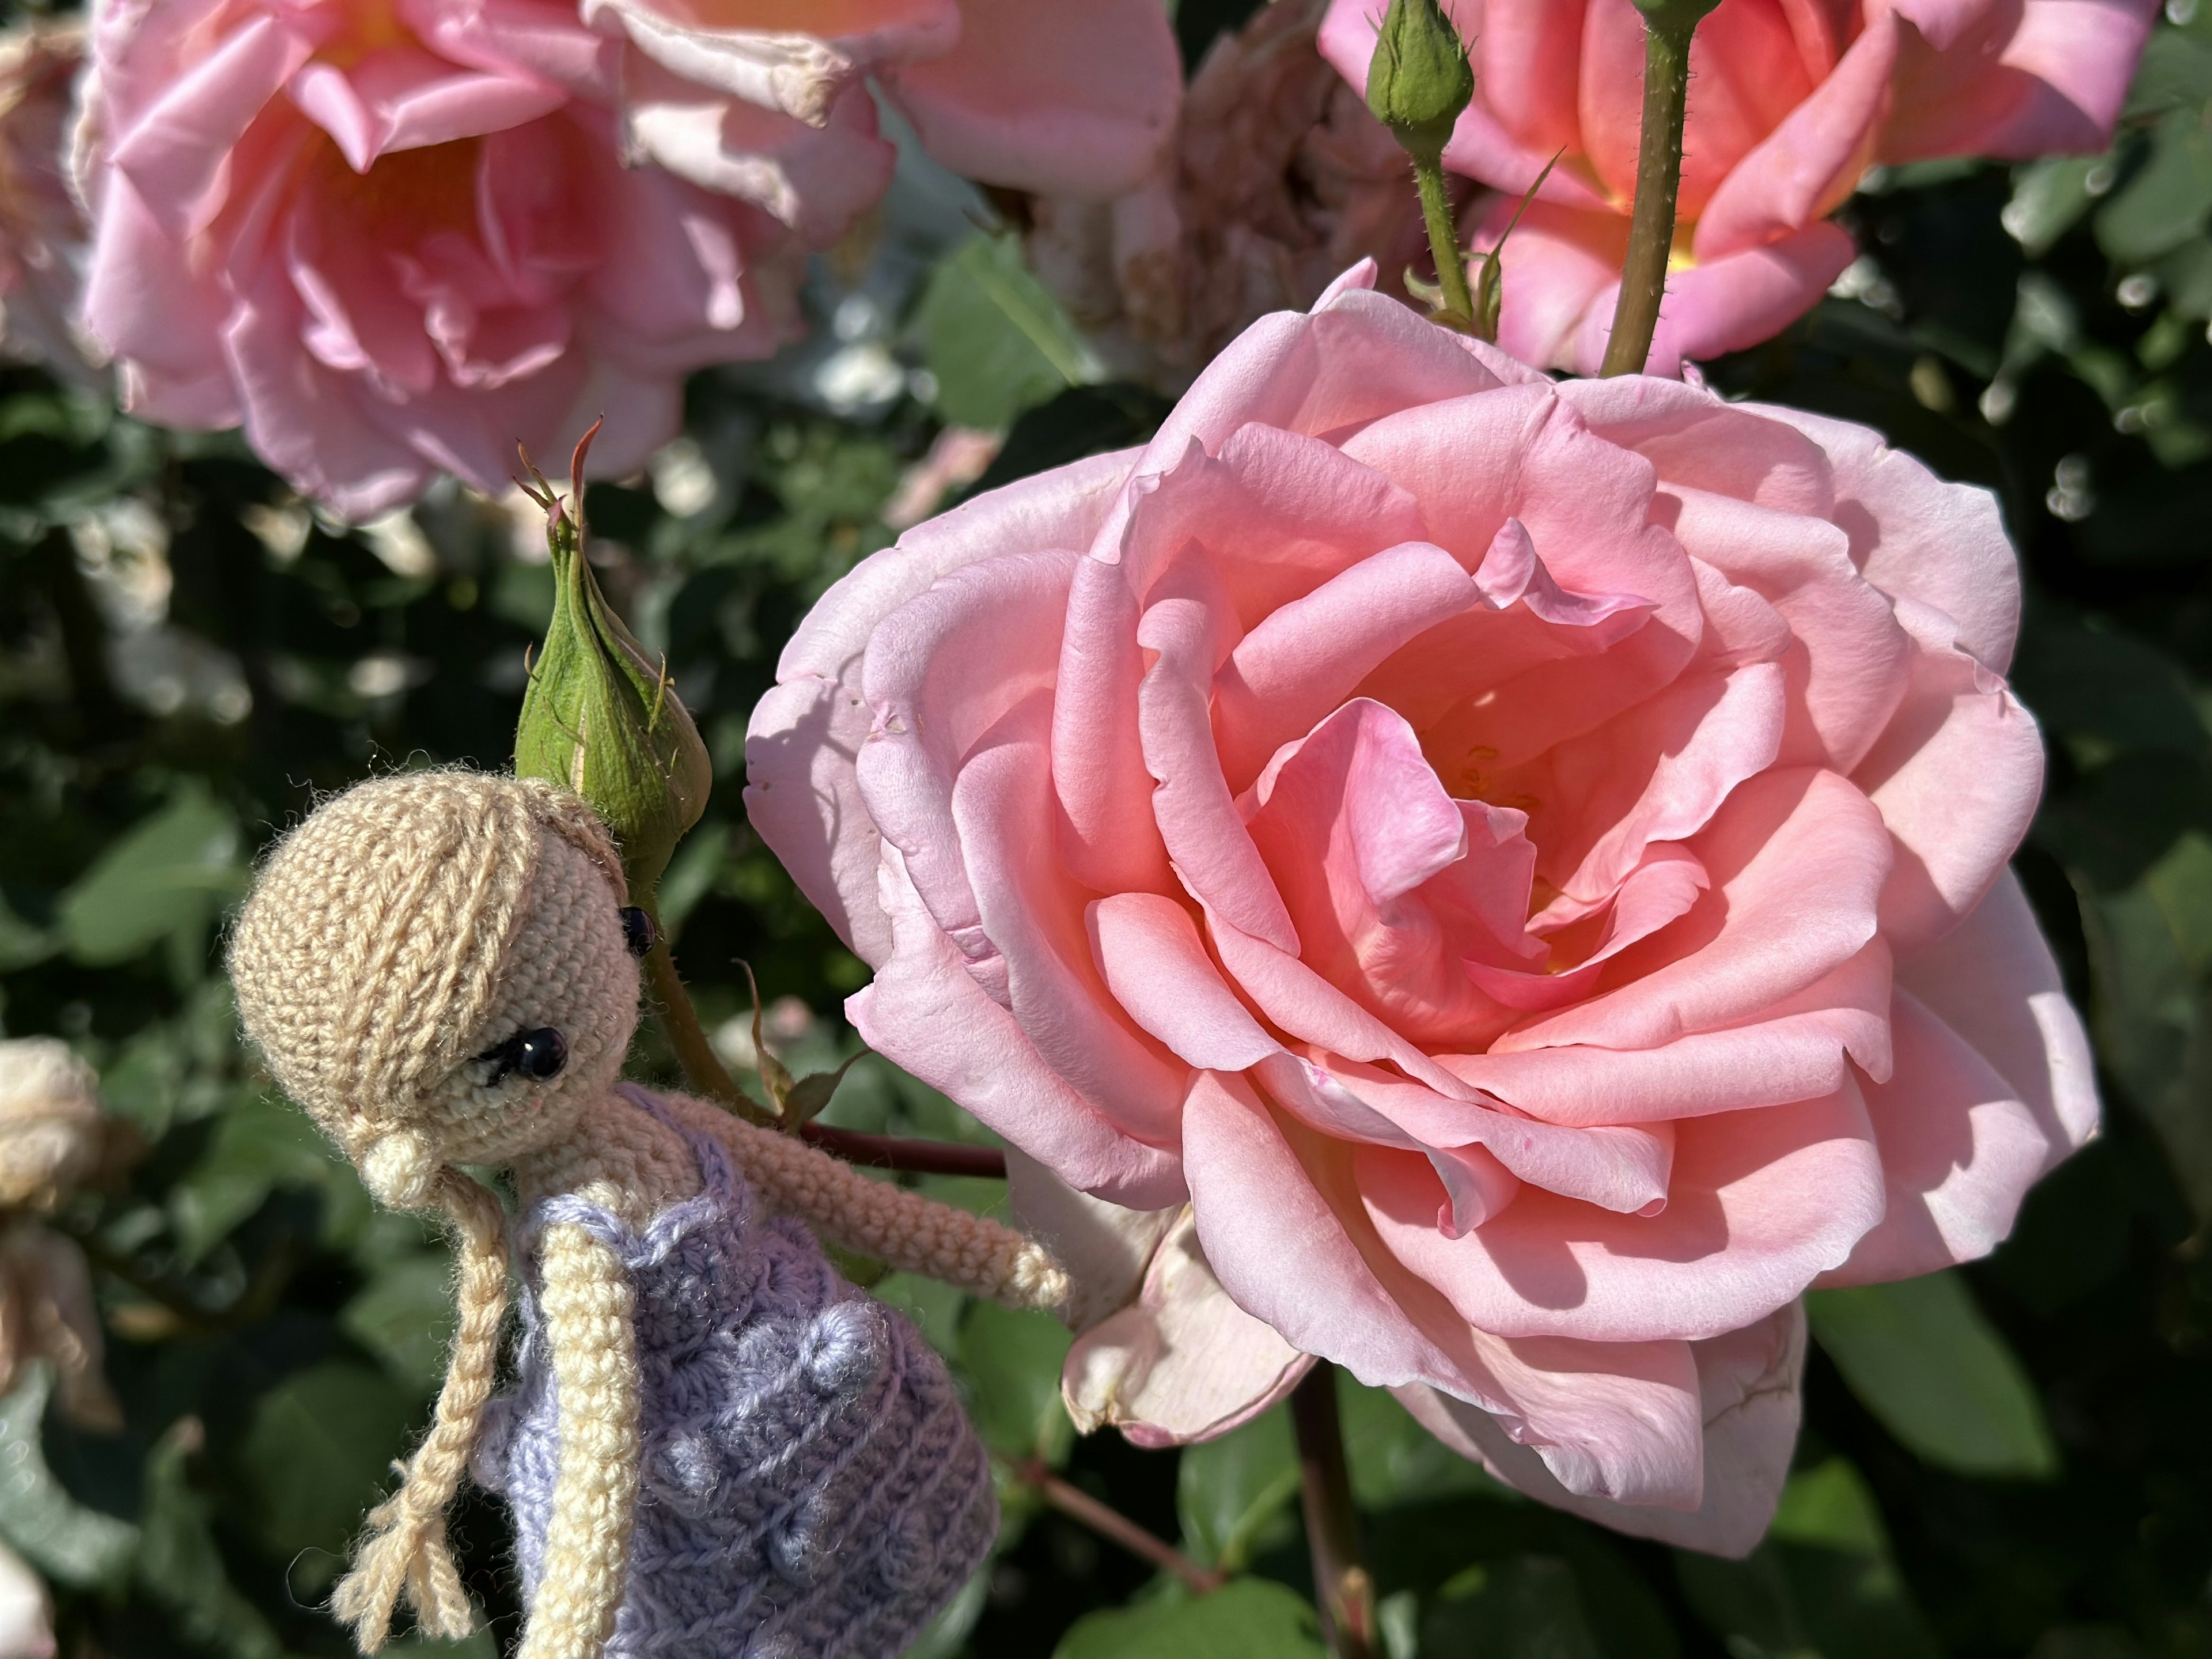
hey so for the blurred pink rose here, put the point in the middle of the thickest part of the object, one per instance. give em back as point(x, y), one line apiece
point(395, 236)
point(1525, 862)
point(1790, 103)
point(1278, 179)
point(768, 99)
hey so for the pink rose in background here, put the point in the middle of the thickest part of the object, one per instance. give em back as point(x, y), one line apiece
point(42, 230)
point(1278, 178)
point(1524, 863)
point(394, 237)
point(769, 99)
point(1790, 103)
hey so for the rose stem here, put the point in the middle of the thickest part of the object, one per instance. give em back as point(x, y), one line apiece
point(705, 1072)
point(908, 1157)
point(1443, 239)
point(680, 1020)
point(1115, 1527)
point(1668, 26)
point(1342, 1589)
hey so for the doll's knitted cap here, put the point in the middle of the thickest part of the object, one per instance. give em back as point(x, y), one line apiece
point(377, 934)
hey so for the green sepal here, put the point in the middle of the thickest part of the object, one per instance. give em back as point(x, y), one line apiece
point(1490, 278)
point(600, 717)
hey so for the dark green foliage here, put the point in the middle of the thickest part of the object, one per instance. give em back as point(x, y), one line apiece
point(187, 657)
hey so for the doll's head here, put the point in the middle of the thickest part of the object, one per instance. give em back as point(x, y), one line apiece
point(438, 967)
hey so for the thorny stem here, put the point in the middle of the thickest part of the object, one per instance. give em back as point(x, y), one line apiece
point(1115, 1527)
point(908, 1157)
point(681, 1020)
point(1443, 240)
point(1658, 182)
point(1342, 1588)
point(704, 1070)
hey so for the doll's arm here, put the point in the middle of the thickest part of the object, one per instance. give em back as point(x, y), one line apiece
point(589, 1327)
point(912, 1233)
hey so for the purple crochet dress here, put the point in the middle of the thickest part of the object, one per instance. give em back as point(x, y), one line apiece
point(810, 1486)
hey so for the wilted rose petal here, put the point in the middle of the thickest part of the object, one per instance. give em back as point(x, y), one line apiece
point(1071, 99)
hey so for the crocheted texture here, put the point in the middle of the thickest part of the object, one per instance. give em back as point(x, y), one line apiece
point(378, 952)
point(810, 1487)
point(901, 1228)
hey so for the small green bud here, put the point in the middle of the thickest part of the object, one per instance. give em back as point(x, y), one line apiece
point(601, 718)
point(1420, 79)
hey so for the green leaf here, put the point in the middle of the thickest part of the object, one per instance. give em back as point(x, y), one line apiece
point(23, 945)
point(168, 875)
point(1247, 1618)
point(1395, 1460)
point(179, 1565)
point(2166, 203)
point(812, 1092)
point(934, 1306)
point(2086, 680)
point(1823, 1579)
point(1829, 1505)
point(2174, 73)
point(1231, 1492)
point(994, 338)
point(946, 1635)
point(317, 1454)
point(404, 1316)
point(1011, 1361)
point(261, 1143)
point(68, 1542)
point(2048, 197)
point(1920, 1356)
point(2150, 948)
point(1525, 1606)
point(479, 1644)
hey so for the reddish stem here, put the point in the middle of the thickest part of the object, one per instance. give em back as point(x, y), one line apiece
point(1112, 1525)
point(909, 1157)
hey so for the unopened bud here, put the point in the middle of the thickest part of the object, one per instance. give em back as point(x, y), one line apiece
point(601, 718)
point(1420, 79)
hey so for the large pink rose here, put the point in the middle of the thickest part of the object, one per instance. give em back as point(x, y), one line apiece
point(1791, 100)
point(1526, 862)
point(768, 99)
point(394, 236)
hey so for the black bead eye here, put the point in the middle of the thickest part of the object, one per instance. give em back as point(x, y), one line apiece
point(638, 931)
point(540, 1053)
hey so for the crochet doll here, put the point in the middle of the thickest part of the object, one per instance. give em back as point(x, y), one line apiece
point(714, 1445)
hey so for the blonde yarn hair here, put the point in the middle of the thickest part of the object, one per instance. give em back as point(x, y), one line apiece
point(373, 946)
point(366, 964)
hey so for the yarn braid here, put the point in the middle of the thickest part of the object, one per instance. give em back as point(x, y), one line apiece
point(405, 1546)
point(912, 1233)
point(588, 1303)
